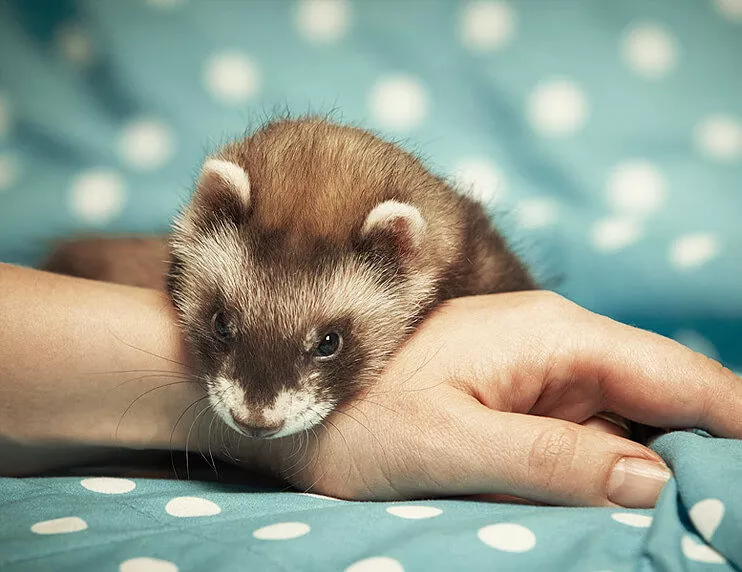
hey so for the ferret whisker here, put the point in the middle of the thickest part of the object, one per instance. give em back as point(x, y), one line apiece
point(417, 370)
point(288, 473)
point(227, 445)
point(362, 399)
point(188, 439)
point(309, 460)
point(347, 448)
point(354, 406)
point(118, 425)
point(304, 449)
point(172, 433)
point(208, 441)
point(383, 450)
point(154, 375)
point(117, 371)
point(306, 440)
point(295, 451)
point(153, 354)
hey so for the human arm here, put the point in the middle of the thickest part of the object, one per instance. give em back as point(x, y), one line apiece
point(74, 354)
point(454, 413)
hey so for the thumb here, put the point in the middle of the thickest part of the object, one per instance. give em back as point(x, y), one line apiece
point(559, 462)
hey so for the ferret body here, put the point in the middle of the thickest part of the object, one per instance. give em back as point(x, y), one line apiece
point(307, 255)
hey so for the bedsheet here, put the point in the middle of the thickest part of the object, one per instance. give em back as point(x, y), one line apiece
point(604, 137)
point(140, 525)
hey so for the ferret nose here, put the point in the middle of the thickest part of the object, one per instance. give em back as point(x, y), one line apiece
point(257, 431)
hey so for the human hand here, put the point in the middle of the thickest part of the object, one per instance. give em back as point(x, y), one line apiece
point(488, 396)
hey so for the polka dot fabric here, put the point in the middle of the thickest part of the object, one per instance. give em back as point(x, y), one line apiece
point(141, 525)
point(606, 143)
point(605, 140)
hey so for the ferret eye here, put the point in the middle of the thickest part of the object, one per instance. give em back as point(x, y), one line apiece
point(221, 327)
point(329, 346)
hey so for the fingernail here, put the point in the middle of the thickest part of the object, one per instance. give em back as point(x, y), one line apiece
point(637, 483)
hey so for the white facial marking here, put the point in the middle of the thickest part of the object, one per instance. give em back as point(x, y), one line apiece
point(226, 396)
point(298, 409)
point(232, 174)
point(384, 214)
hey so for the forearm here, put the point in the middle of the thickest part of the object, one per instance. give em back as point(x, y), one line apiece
point(75, 354)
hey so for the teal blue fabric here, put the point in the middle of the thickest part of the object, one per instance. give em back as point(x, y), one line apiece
point(323, 534)
point(606, 138)
point(65, 108)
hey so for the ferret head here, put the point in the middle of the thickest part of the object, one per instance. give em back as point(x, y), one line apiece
point(282, 327)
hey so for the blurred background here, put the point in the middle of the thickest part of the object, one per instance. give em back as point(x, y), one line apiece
point(605, 137)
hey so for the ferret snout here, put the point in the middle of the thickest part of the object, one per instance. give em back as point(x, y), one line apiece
point(290, 411)
point(259, 429)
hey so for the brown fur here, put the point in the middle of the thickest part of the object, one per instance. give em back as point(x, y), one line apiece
point(292, 263)
point(314, 180)
point(131, 260)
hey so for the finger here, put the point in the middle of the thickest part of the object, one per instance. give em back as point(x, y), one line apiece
point(554, 461)
point(657, 381)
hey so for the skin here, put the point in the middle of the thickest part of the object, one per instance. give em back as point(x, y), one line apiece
point(486, 398)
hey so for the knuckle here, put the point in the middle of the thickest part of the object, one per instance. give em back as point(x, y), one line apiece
point(717, 371)
point(553, 454)
point(723, 380)
point(552, 300)
point(555, 308)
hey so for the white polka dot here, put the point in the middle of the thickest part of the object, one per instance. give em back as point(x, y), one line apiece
point(612, 234)
point(706, 515)
point(693, 250)
point(109, 485)
point(480, 179)
point(191, 506)
point(323, 21)
point(700, 552)
point(4, 116)
point(636, 187)
point(232, 77)
point(399, 102)
point(97, 195)
point(650, 50)
point(60, 525)
point(376, 564)
point(146, 564)
point(146, 144)
point(487, 25)
point(557, 108)
point(507, 537)
point(536, 212)
point(8, 171)
point(696, 342)
point(720, 137)
point(74, 44)
point(282, 531)
point(323, 497)
point(164, 4)
point(632, 519)
point(414, 512)
point(731, 9)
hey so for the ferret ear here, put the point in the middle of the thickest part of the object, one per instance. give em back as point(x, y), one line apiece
point(223, 189)
point(395, 229)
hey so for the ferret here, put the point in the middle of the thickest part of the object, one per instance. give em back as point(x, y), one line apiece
point(307, 255)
